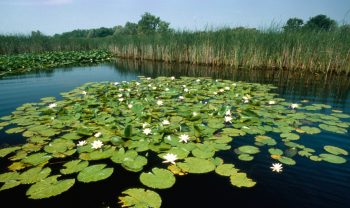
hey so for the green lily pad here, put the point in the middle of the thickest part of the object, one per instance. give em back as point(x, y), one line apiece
point(290, 136)
point(245, 157)
point(10, 184)
point(94, 173)
point(286, 160)
point(249, 149)
point(216, 161)
point(335, 150)
point(34, 175)
point(160, 178)
point(101, 154)
point(226, 170)
point(9, 176)
point(6, 151)
point(310, 130)
point(140, 198)
point(240, 179)
point(196, 165)
point(332, 158)
point(74, 166)
point(180, 152)
point(315, 158)
point(36, 159)
point(203, 151)
point(49, 187)
point(274, 151)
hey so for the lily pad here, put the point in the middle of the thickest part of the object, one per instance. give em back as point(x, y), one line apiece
point(226, 170)
point(34, 175)
point(160, 178)
point(274, 151)
point(240, 179)
point(249, 149)
point(10, 184)
point(196, 165)
point(38, 158)
point(6, 151)
point(74, 166)
point(286, 160)
point(94, 173)
point(140, 198)
point(332, 158)
point(335, 150)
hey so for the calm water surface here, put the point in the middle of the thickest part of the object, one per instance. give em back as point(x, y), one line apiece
point(306, 184)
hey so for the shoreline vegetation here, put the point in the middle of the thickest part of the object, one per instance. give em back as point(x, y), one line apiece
point(319, 46)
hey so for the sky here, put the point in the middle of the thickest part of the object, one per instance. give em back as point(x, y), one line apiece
point(58, 16)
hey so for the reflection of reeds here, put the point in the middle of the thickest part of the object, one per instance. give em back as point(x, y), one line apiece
point(296, 85)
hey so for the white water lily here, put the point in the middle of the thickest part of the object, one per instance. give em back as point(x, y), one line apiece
point(120, 95)
point(121, 99)
point(167, 89)
point(215, 93)
point(148, 78)
point(84, 93)
point(221, 90)
point(130, 106)
point(228, 119)
point(170, 157)
point(165, 122)
point(52, 118)
point(96, 144)
point(154, 88)
point(121, 89)
point(234, 84)
point(172, 78)
point(227, 88)
point(128, 90)
point(181, 97)
point(123, 81)
point(228, 113)
point(198, 80)
point(186, 90)
point(246, 101)
point(149, 85)
point(116, 83)
point(277, 167)
point(52, 105)
point(160, 102)
point(184, 138)
point(194, 114)
point(184, 85)
point(144, 124)
point(245, 127)
point(82, 143)
point(147, 131)
point(137, 83)
point(294, 105)
point(245, 98)
point(98, 134)
point(272, 102)
point(216, 80)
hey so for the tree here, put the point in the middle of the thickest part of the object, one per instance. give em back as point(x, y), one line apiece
point(91, 34)
point(293, 24)
point(36, 34)
point(148, 23)
point(163, 27)
point(321, 22)
point(132, 27)
point(120, 30)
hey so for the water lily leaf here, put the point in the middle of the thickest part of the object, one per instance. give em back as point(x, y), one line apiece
point(10, 184)
point(101, 154)
point(181, 153)
point(161, 178)
point(335, 150)
point(15, 130)
point(16, 166)
point(332, 158)
point(304, 153)
point(286, 160)
point(38, 139)
point(128, 131)
point(140, 198)
point(269, 142)
point(94, 173)
point(49, 187)
point(6, 151)
point(176, 170)
point(249, 149)
point(48, 132)
point(333, 128)
point(36, 159)
point(216, 161)
point(226, 170)
point(310, 130)
point(85, 148)
point(203, 151)
point(59, 146)
point(71, 136)
point(274, 151)
point(34, 175)
point(139, 146)
point(74, 166)
point(196, 165)
point(340, 115)
point(315, 158)
point(240, 179)
point(9, 176)
point(245, 157)
point(221, 140)
point(290, 136)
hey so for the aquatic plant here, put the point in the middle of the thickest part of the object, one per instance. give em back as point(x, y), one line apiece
point(97, 125)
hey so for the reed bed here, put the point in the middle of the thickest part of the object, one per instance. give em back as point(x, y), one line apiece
point(314, 51)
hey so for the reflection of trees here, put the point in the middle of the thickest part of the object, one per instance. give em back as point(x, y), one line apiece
point(292, 85)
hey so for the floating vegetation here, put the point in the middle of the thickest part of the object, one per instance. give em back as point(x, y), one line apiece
point(20, 63)
point(185, 121)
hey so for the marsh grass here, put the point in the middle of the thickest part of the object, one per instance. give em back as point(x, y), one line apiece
point(314, 51)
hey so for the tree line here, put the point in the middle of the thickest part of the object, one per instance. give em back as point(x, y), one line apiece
point(149, 24)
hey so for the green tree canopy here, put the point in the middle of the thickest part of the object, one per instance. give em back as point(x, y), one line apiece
point(293, 24)
point(321, 22)
point(149, 23)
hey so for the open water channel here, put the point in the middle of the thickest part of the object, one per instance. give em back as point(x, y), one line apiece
point(306, 184)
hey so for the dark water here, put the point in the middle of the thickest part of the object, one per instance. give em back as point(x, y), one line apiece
point(306, 184)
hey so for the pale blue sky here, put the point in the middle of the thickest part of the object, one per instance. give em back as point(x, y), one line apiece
point(57, 16)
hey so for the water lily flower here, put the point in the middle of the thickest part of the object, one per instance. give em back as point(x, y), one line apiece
point(84, 93)
point(167, 89)
point(246, 101)
point(170, 157)
point(120, 95)
point(277, 167)
point(221, 90)
point(144, 124)
point(97, 144)
point(165, 122)
point(245, 98)
point(98, 134)
point(172, 78)
point(234, 84)
point(228, 112)
point(228, 119)
point(245, 127)
point(194, 114)
point(160, 102)
point(52, 105)
point(216, 80)
point(137, 83)
point(121, 99)
point(148, 78)
point(215, 93)
point(23, 67)
point(123, 81)
point(147, 131)
point(82, 143)
point(181, 97)
point(128, 90)
point(294, 105)
point(52, 118)
point(186, 90)
point(149, 85)
point(198, 80)
point(237, 95)
point(130, 106)
point(227, 88)
point(154, 88)
point(272, 102)
point(184, 138)
point(121, 89)
point(116, 83)
point(184, 85)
